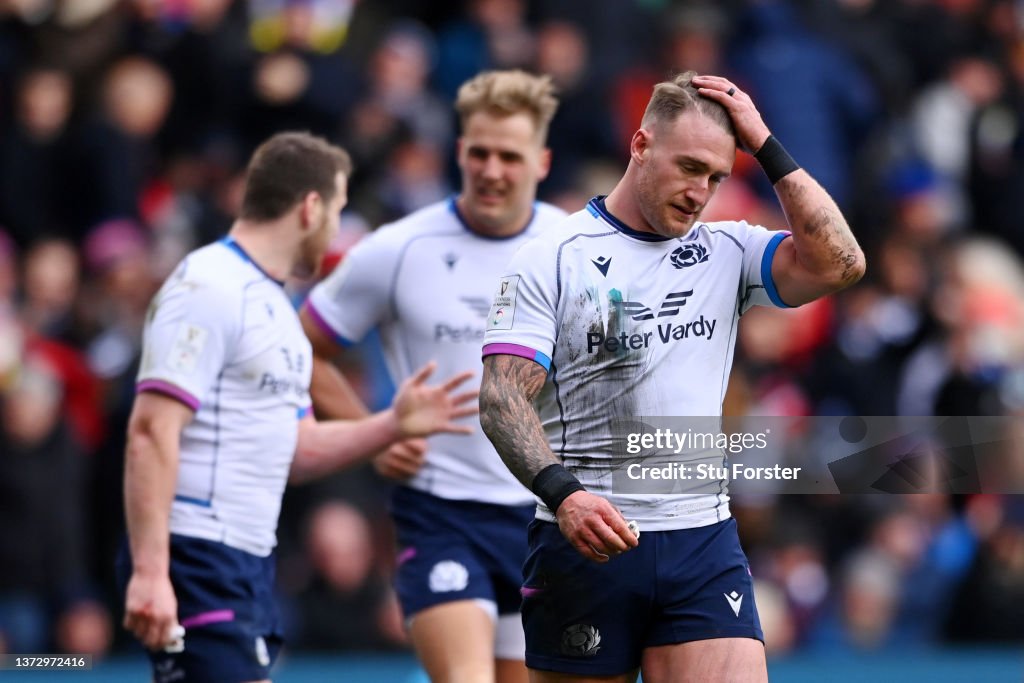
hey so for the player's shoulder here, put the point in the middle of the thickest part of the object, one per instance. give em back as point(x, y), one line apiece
point(544, 247)
point(726, 233)
point(213, 273)
point(570, 226)
point(437, 219)
point(547, 215)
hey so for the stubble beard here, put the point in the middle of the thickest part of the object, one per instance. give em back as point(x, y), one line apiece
point(651, 205)
point(310, 255)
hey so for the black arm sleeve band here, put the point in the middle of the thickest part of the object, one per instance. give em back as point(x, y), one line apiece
point(553, 484)
point(775, 160)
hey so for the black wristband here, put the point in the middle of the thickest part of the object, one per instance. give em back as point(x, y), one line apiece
point(553, 484)
point(775, 160)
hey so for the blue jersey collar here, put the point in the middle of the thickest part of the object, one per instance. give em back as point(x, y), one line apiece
point(234, 246)
point(454, 208)
point(596, 207)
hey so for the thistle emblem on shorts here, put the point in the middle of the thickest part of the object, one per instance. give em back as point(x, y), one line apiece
point(689, 255)
point(581, 640)
point(448, 576)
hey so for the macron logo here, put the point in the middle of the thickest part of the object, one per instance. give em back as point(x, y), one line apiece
point(735, 601)
point(602, 263)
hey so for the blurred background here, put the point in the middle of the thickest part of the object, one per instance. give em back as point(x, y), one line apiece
point(124, 129)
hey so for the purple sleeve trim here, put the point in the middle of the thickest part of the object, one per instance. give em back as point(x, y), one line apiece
point(167, 389)
point(517, 350)
point(213, 617)
point(324, 326)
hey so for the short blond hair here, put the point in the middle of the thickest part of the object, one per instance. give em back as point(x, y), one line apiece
point(505, 93)
point(675, 97)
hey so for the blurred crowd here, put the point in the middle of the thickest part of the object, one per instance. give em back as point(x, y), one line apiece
point(124, 127)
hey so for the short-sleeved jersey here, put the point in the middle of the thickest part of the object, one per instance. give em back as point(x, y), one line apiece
point(222, 337)
point(425, 282)
point(630, 325)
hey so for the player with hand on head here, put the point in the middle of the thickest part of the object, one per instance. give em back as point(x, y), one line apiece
point(222, 421)
point(425, 281)
point(627, 310)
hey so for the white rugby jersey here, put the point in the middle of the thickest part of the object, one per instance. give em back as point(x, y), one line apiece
point(425, 281)
point(222, 337)
point(631, 325)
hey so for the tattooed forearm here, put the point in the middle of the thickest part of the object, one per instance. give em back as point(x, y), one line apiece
point(824, 243)
point(507, 416)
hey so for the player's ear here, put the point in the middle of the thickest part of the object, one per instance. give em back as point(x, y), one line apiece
point(311, 204)
point(640, 145)
point(544, 163)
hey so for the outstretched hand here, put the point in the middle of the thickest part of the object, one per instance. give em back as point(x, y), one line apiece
point(423, 409)
point(750, 127)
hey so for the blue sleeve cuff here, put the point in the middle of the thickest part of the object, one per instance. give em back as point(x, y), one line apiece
point(766, 270)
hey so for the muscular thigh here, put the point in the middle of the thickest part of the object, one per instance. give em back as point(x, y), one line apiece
point(736, 660)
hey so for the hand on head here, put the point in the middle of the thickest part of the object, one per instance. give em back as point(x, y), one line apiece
point(751, 131)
